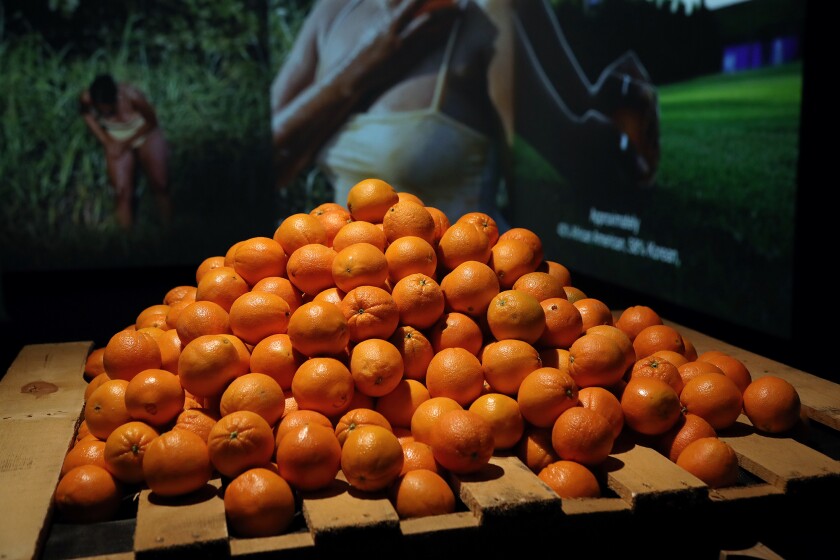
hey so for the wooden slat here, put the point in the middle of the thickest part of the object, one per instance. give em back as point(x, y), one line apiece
point(781, 461)
point(820, 397)
point(647, 479)
point(506, 488)
point(194, 524)
point(585, 507)
point(340, 512)
point(292, 545)
point(41, 398)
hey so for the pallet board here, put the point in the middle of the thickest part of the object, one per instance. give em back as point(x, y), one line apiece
point(502, 506)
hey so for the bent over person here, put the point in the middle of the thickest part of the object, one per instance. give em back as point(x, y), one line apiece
point(126, 125)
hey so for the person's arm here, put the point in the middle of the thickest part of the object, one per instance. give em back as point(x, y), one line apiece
point(141, 104)
point(306, 111)
point(86, 110)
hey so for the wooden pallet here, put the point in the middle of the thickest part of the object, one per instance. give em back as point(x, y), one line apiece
point(504, 509)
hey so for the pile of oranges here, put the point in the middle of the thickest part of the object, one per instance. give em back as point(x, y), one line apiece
point(380, 345)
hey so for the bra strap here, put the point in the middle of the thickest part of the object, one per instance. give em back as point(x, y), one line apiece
point(444, 67)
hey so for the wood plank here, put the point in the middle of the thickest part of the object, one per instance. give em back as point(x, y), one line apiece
point(292, 545)
point(646, 479)
point(820, 397)
point(41, 398)
point(339, 513)
point(504, 489)
point(173, 527)
point(781, 461)
point(438, 525)
point(585, 507)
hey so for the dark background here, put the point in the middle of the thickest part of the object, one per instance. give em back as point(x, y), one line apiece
point(91, 304)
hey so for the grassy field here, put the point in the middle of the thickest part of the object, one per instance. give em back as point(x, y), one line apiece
point(724, 198)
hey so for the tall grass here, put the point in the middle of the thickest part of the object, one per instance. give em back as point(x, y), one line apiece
point(57, 205)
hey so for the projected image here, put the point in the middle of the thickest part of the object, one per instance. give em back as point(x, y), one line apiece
point(712, 227)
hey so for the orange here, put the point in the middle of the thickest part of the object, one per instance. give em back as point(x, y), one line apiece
point(516, 314)
point(408, 218)
point(419, 455)
point(541, 285)
point(596, 360)
point(545, 394)
point(359, 264)
point(399, 405)
point(484, 222)
point(232, 251)
point(582, 435)
point(712, 460)
point(605, 403)
point(331, 295)
point(502, 412)
point(206, 265)
point(282, 287)
point(530, 238)
point(462, 441)
point(356, 418)
point(309, 457)
point(296, 418)
point(333, 221)
point(690, 350)
point(176, 463)
point(416, 351)
point(323, 384)
point(593, 312)
point(455, 329)
point(427, 414)
point(175, 311)
point(360, 232)
point(410, 254)
point(154, 396)
point(733, 368)
point(125, 448)
point(240, 440)
point(658, 337)
point(297, 230)
point(422, 493)
point(419, 299)
point(624, 342)
point(405, 195)
point(535, 449)
point(441, 220)
point(469, 288)
point(653, 366)
point(687, 429)
point(201, 318)
point(256, 315)
point(209, 363)
point(772, 404)
point(95, 363)
point(574, 293)
point(376, 366)
point(462, 242)
point(359, 400)
point(635, 318)
point(674, 357)
point(510, 259)
point(371, 312)
point(95, 383)
point(651, 406)
point(715, 397)
point(507, 362)
point(259, 257)
point(310, 268)
point(369, 200)
point(87, 494)
point(153, 316)
point(691, 369)
point(196, 420)
point(371, 458)
point(89, 451)
point(105, 410)
point(275, 356)
point(555, 357)
point(559, 271)
point(570, 479)
point(259, 503)
point(256, 392)
point(127, 353)
point(169, 344)
point(455, 373)
point(221, 285)
point(179, 293)
point(318, 328)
